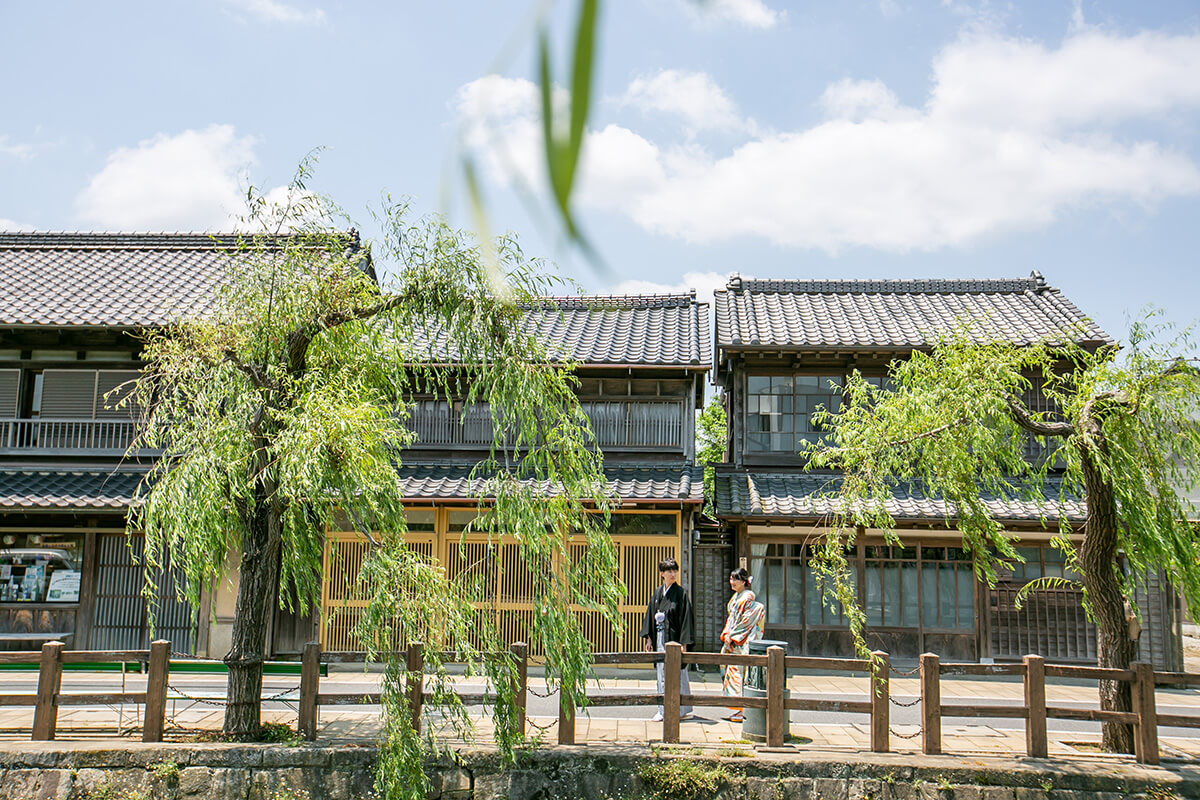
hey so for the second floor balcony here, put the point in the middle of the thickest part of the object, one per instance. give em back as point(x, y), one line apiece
point(50, 436)
point(646, 425)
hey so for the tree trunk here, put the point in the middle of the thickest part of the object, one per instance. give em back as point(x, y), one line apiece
point(259, 576)
point(1098, 558)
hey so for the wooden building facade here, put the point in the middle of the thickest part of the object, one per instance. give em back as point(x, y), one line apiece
point(782, 349)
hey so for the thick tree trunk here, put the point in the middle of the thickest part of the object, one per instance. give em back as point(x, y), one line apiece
point(259, 576)
point(1098, 557)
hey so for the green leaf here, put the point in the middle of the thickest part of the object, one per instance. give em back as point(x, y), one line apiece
point(581, 86)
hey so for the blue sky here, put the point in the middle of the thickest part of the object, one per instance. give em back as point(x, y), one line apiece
point(868, 139)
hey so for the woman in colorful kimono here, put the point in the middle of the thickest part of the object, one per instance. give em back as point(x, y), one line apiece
point(743, 625)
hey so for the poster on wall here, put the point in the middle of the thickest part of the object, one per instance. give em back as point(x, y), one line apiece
point(64, 587)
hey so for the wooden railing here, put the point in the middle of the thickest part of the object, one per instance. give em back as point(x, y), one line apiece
point(49, 697)
point(644, 424)
point(53, 435)
point(413, 656)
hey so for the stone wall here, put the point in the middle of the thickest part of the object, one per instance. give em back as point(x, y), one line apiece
point(273, 772)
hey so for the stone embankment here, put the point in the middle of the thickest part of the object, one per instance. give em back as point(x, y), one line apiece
point(272, 772)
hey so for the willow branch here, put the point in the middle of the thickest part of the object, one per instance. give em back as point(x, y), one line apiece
point(1022, 417)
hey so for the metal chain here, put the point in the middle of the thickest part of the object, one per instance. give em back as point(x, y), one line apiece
point(905, 674)
point(896, 702)
point(221, 703)
point(542, 728)
point(918, 732)
point(536, 693)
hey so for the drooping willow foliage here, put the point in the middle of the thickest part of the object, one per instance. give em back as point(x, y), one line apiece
point(1123, 432)
point(284, 408)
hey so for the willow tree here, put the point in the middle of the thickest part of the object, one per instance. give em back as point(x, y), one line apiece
point(285, 411)
point(1123, 435)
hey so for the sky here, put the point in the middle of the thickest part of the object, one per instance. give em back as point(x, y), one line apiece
point(872, 139)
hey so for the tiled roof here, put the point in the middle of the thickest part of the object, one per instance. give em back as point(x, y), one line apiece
point(796, 495)
point(67, 488)
point(676, 484)
point(47, 488)
point(129, 280)
point(646, 330)
point(887, 314)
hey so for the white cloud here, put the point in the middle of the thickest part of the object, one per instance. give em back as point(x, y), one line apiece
point(705, 283)
point(190, 181)
point(14, 149)
point(277, 11)
point(1013, 135)
point(1094, 78)
point(692, 96)
point(749, 13)
point(12, 225)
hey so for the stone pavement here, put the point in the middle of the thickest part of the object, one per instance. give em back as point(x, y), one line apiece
point(188, 713)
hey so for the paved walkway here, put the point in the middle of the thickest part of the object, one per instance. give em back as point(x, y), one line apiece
point(188, 713)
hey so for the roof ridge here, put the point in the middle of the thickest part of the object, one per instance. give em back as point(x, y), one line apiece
point(1034, 283)
point(113, 240)
point(601, 301)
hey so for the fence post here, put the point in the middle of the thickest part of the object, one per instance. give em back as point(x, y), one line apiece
point(520, 652)
point(45, 713)
point(1145, 732)
point(156, 691)
point(880, 701)
point(672, 669)
point(931, 705)
point(414, 658)
point(776, 681)
point(566, 717)
point(310, 686)
point(1035, 706)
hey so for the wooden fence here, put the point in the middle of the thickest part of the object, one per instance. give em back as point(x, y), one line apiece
point(1033, 670)
point(49, 696)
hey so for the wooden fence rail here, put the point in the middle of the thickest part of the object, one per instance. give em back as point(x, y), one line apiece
point(1143, 716)
point(49, 695)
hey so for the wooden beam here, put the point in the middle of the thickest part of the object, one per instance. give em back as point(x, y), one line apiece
point(310, 685)
point(156, 691)
point(415, 667)
point(931, 705)
point(45, 713)
point(776, 683)
point(1145, 732)
point(880, 702)
point(520, 652)
point(672, 674)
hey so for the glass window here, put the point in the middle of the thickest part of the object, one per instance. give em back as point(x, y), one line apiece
point(419, 519)
point(40, 567)
point(779, 410)
point(643, 524)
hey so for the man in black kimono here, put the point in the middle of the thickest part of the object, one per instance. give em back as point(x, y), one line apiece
point(669, 619)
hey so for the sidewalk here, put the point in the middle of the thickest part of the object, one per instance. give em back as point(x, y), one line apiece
point(810, 730)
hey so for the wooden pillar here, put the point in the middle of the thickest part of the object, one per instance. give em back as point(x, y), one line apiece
point(566, 717)
point(931, 705)
point(880, 701)
point(1035, 705)
point(156, 691)
point(45, 713)
point(776, 682)
point(310, 687)
point(672, 667)
point(1145, 732)
point(520, 652)
point(414, 659)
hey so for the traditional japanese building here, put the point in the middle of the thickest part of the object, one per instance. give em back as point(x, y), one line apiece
point(782, 349)
point(70, 317)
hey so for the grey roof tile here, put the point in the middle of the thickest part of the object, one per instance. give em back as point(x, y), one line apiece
point(128, 280)
point(857, 314)
point(67, 488)
point(646, 330)
point(677, 484)
point(150, 279)
point(765, 494)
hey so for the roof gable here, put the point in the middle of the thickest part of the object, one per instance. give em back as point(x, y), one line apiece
point(894, 314)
